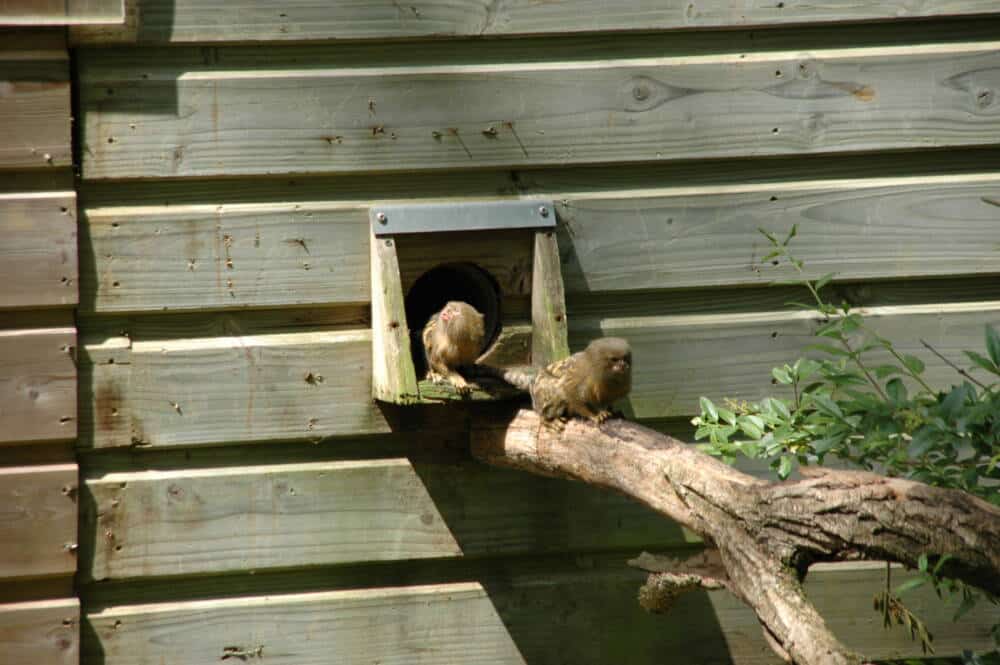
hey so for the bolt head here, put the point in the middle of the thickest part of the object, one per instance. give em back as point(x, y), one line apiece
point(382, 219)
point(543, 211)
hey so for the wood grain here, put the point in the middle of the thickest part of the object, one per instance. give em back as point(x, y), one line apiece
point(34, 101)
point(150, 116)
point(38, 384)
point(183, 257)
point(198, 521)
point(678, 359)
point(38, 521)
point(393, 376)
point(180, 21)
point(45, 632)
point(440, 624)
point(60, 12)
point(254, 388)
point(38, 264)
point(548, 303)
point(550, 608)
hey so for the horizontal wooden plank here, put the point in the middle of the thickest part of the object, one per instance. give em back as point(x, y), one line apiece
point(179, 21)
point(38, 384)
point(45, 632)
point(60, 12)
point(153, 523)
point(678, 359)
point(250, 388)
point(34, 102)
point(549, 612)
point(38, 522)
point(207, 256)
point(257, 388)
point(38, 264)
point(453, 623)
point(146, 116)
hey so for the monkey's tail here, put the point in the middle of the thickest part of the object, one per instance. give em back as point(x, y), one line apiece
point(521, 377)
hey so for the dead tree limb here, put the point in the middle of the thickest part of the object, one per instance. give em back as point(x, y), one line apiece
point(767, 534)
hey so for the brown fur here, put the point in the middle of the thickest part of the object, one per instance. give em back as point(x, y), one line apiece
point(453, 337)
point(586, 384)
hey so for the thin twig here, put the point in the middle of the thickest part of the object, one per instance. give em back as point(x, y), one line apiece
point(954, 366)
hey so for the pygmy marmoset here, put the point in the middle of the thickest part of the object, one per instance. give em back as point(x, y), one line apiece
point(585, 384)
point(453, 337)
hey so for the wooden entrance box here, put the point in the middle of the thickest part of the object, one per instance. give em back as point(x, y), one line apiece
point(513, 243)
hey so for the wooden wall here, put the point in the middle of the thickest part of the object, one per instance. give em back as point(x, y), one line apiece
point(243, 498)
point(39, 613)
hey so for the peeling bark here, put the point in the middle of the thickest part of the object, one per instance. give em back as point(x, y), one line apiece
point(766, 534)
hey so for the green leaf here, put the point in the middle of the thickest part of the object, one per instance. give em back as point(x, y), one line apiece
point(767, 235)
point(851, 323)
point(707, 408)
point(910, 584)
point(922, 563)
point(952, 403)
point(827, 405)
point(750, 427)
point(883, 371)
point(791, 234)
point(896, 391)
point(727, 415)
point(982, 361)
point(923, 440)
point(782, 408)
point(914, 364)
point(940, 562)
point(824, 280)
point(785, 466)
point(782, 375)
point(993, 344)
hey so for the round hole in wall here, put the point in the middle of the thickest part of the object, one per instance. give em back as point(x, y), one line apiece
point(451, 281)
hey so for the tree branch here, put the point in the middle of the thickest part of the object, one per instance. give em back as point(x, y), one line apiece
point(767, 534)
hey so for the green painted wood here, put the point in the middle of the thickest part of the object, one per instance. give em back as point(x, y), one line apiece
point(442, 624)
point(179, 21)
point(185, 116)
point(249, 388)
point(60, 12)
point(556, 610)
point(34, 100)
point(144, 256)
point(257, 388)
point(218, 256)
point(38, 264)
point(678, 359)
point(549, 340)
point(38, 384)
point(38, 521)
point(186, 521)
point(44, 632)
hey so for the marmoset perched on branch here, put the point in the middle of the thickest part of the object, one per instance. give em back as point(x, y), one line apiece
point(586, 384)
point(453, 337)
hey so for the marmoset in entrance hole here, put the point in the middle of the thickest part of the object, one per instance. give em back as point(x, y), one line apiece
point(453, 337)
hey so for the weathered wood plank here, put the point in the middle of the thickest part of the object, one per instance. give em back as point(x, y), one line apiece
point(60, 12)
point(256, 388)
point(178, 21)
point(550, 608)
point(38, 264)
point(184, 522)
point(45, 632)
point(149, 117)
point(549, 340)
point(195, 257)
point(38, 384)
point(34, 101)
point(154, 257)
point(249, 388)
point(38, 520)
point(678, 359)
point(393, 376)
point(441, 624)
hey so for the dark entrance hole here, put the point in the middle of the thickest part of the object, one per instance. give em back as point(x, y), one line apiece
point(452, 281)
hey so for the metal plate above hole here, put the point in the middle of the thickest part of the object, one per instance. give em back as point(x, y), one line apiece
point(438, 217)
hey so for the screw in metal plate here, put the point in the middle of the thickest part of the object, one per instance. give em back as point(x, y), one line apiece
point(543, 211)
point(382, 219)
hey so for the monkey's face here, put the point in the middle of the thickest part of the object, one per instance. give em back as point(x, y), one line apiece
point(614, 357)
